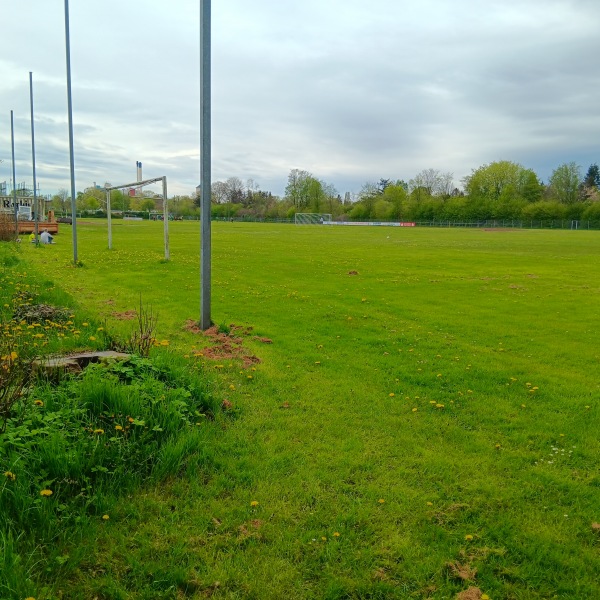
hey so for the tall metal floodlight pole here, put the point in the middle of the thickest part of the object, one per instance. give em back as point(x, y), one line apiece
point(166, 218)
point(70, 109)
point(14, 177)
point(205, 164)
point(35, 200)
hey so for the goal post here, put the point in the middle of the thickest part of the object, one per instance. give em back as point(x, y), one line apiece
point(139, 184)
point(312, 218)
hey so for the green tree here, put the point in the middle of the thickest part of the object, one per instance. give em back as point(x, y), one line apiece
point(565, 183)
point(592, 177)
point(147, 204)
point(502, 180)
point(314, 194)
point(296, 189)
point(590, 188)
point(532, 189)
point(382, 184)
point(87, 201)
point(383, 210)
point(61, 202)
point(397, 196)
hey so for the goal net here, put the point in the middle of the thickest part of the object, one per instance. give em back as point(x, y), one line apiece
point(311, 218)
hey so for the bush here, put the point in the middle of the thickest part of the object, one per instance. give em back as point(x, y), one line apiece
point(592, 214)
point(68, 445)
point(7, 227)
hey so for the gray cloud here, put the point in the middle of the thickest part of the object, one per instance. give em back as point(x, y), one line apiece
point(348, 90)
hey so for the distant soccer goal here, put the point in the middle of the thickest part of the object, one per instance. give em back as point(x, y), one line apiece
point(311, 218)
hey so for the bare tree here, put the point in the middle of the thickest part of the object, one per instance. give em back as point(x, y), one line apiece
point(218, 191)
point(235, 190)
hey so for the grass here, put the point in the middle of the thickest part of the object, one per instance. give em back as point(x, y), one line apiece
point(490, 336)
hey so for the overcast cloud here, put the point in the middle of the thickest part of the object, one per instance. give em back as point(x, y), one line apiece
point(351, 91)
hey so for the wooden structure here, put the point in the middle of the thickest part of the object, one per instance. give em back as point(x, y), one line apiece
point(27, 227)
point(25, 208)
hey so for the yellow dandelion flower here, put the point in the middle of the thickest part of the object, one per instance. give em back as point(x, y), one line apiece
point(105, 517)
point(118, 427)
point(100, 329)
point(324, 538)
point(485, 597)
point(232, 387)
point(99, 431)
point(381, 501)
point(10, 475)
point(415, 409)
point(336, 534)
point(38, 403)
point(46, 493)
point(164, 343)
point(439, 406)
point(468, 537)
point(392, 394)
point(430, 504)
point(92, 338)
point(14, 355)
point(254, 503)
point(84, 324)
point(250, 377)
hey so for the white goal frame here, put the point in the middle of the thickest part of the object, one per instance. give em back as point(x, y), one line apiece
point(312, 218)
point(139, 184)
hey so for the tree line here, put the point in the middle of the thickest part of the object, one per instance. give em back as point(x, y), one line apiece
point(501, 190)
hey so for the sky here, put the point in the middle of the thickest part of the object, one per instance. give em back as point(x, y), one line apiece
point(351, 91)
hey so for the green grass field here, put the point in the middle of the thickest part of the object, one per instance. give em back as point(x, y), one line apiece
point(425, 425)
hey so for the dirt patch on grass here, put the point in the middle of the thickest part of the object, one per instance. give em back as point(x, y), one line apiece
point(473, 593)
point(127, 315)
point(463, 572)
point(227, 345)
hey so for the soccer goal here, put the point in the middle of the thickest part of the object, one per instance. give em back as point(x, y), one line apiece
point(311, 218)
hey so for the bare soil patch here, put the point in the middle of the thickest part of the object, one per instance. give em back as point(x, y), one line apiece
point(473, 593)
point(127, 315)
point(227, 346)
point(463, 572)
